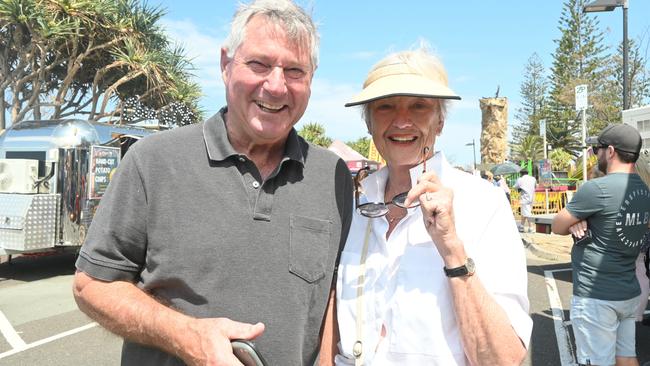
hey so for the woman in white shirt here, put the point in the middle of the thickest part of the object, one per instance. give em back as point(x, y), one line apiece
point(433, 271)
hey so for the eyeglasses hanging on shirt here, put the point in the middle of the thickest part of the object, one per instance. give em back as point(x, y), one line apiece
point(379, 209)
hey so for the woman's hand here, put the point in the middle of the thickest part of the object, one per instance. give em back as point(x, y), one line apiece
point(437, 205)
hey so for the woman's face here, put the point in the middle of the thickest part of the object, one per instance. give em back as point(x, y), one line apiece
point(402, 126)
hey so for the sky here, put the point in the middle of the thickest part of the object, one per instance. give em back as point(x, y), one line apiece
point(483, 46)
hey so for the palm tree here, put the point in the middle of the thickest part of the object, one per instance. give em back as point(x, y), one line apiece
point(530, 149)
point(314, 132)
point(87, 56)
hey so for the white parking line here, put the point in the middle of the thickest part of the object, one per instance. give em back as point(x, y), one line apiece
point(46, 340)
point(564, 345)
point(10, 333)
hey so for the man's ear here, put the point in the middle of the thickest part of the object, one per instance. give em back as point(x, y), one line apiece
point(225, 61)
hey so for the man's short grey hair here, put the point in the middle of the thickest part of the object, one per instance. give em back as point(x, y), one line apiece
point(285, 13)
point(420, 59)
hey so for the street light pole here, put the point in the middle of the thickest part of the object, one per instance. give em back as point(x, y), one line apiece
point(626, 85)
point(473, 143)
point(609, 5)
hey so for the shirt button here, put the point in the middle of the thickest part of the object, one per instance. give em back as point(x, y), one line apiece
point(256, 184)
point(241, 159)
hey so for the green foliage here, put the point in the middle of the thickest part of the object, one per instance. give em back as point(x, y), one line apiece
point(314, 132)
point(85, 57)
point(580, 58)
point(638, 76)
point(530, 148)
point(361, 145)
point(560, 159)
point(533, 91)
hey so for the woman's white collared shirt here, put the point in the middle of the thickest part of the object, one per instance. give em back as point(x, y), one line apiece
point(405, 287)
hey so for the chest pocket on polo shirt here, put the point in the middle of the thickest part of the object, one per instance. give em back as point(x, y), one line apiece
point(309, 245)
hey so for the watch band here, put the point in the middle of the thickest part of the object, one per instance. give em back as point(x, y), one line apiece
point(466, 269)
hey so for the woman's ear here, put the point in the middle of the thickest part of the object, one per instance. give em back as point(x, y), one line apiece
point(440, 126)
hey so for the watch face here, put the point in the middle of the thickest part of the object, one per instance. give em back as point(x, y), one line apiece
point(470, 266)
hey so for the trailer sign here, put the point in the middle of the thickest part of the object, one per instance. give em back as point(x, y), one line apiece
point(103, 162)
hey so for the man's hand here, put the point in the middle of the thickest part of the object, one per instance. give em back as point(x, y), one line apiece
point(578, 230)
point(129, 312)
point(215, 335)
point(562, 221)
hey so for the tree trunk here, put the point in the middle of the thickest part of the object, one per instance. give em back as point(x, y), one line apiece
point(3, 122)
point(37, 112)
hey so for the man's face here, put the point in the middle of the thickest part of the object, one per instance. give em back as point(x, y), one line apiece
point(267, 84)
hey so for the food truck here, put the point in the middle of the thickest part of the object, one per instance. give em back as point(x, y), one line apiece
point(53, 175)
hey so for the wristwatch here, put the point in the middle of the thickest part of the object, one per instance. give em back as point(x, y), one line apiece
point(465, 270)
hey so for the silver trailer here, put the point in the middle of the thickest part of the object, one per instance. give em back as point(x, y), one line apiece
point(52, 177)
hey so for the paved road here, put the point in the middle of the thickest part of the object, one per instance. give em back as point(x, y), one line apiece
point(41, 325)
point(40, 322)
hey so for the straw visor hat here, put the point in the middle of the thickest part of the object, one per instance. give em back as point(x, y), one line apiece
point(400, 79)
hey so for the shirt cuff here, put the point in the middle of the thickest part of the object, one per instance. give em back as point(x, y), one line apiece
point(105, 271)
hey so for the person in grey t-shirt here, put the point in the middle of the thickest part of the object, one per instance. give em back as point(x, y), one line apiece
point(608, 217)
point(228, 229)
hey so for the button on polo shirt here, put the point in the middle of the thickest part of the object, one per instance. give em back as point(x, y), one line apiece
point(260, 200)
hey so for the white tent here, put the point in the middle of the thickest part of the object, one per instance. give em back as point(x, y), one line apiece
point(345, 152)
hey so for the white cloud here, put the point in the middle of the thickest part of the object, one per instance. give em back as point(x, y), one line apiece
point(201, 47)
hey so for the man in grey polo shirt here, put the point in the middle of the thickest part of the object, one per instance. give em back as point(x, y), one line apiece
point(227, 229)
point(610, 214)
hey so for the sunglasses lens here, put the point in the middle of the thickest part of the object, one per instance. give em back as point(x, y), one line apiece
point(595, 149)
point(401, 198)
point(373, 209)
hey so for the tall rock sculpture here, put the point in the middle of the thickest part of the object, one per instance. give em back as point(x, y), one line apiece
point(494, 130)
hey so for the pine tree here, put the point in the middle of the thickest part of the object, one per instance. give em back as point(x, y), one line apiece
point(533, 92)
point(638, 75)
point(580, 58)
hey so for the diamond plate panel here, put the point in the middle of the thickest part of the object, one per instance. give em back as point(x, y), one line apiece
point(28, 222)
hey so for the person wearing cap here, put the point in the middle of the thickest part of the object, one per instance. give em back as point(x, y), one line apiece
point(433, 271)
point(608, 217)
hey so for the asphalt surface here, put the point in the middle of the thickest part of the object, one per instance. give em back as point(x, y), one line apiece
point(42, 325)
